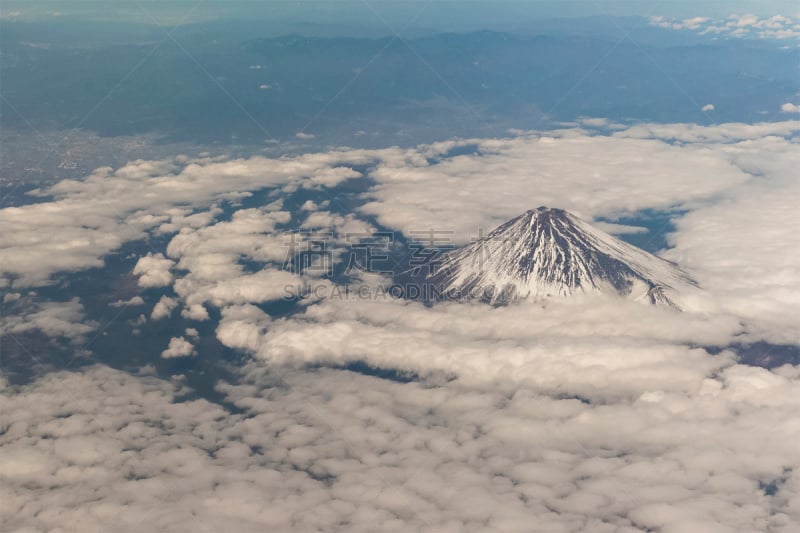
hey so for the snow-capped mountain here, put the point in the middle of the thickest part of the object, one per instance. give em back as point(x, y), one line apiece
point(550, 252)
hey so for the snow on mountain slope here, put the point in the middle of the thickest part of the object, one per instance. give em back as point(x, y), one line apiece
point(550, 252)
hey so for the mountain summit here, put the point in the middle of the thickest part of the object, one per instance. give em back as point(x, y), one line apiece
point(551, 252)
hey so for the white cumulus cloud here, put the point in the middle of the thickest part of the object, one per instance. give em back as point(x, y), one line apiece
point(154, 270)
point(163, 308)
point(178, 347)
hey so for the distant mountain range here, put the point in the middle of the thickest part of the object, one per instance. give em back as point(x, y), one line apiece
point(239, 82)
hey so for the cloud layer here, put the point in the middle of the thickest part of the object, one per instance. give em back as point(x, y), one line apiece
point(88, 219)
point(591, 413)
point(739, 26)
point(336, 451)
point(735, 180)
